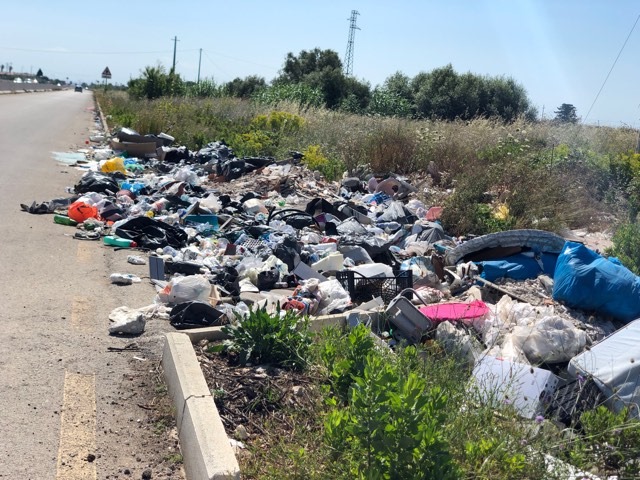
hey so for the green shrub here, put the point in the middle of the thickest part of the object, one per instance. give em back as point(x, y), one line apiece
point(315, 160)
point(278, 121)
point(344, 357)
point(610, 443)
point(392, 427)
point(262, 337)
point(626, 246)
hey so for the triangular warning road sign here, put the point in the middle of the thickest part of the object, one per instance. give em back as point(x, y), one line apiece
point(106, 73)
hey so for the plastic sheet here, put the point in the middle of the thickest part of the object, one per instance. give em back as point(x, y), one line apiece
point(585, 280)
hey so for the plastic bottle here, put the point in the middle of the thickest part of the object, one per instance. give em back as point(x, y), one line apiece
point(124, 278)
point(119, 242)
point(64, 220)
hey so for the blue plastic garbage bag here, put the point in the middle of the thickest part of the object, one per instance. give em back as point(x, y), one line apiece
point(587, 281)
point(519, 267)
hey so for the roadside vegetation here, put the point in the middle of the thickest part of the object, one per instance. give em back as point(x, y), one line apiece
point(470, 144)
point(411, 413)
point(490, 175)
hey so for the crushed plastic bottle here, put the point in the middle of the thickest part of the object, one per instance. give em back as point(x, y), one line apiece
point(124, 278)
point(136, 260)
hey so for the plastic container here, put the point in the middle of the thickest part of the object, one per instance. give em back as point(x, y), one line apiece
point(331, 262)
point(64, 220)
point(374, 270)
point(408, 319)
point(362, 289)
point(119, 242)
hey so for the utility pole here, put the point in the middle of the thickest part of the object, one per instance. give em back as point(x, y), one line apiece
point(175, 44)
point(199, 62)
point(348, 58)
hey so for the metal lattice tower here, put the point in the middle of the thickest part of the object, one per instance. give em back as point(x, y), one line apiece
point(348, 58)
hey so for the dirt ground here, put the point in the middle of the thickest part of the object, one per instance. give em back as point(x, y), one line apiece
point(255, 402)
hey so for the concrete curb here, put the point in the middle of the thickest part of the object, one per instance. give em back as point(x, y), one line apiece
point(205, 446)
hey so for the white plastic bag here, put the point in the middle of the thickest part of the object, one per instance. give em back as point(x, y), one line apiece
point(392, 212)
point(185, 174)
point(550, 340)
point(334, 297)
point(185, 289)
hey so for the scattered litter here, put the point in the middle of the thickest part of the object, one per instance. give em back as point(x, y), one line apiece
point(124, 278)
point(136, 260)
point(531, 311)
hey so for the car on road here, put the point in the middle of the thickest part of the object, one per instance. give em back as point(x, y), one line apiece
point(78, 88)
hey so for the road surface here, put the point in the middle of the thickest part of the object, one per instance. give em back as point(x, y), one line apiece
point(71, 409)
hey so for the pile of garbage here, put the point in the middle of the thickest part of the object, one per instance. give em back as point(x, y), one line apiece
point(543, 320)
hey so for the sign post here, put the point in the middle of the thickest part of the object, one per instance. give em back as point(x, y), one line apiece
point(106, 74)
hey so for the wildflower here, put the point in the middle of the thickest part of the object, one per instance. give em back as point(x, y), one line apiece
point(539, 419)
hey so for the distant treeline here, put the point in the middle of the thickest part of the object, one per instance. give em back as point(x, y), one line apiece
point(315, 78)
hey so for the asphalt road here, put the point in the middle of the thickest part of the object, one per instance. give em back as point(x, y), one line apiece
point(70, 408)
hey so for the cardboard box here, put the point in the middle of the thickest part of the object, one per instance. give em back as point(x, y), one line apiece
point(139, 150)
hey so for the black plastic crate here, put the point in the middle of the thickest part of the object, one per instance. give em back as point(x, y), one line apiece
point(363, 289)
point(573, 399)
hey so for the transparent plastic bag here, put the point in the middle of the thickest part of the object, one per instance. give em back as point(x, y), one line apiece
point(551, 340)
point(185, 289)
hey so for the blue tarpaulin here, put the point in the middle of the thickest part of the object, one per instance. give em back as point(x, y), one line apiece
point(519, 267)
point(587, 281)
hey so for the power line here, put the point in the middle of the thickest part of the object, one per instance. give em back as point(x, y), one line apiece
point(69, 52)
point(611, 69)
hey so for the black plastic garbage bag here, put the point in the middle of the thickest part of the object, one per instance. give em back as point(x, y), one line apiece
point(320, 205)
point(150, 233)
point(288, 252)
point(254, 163)
point(228, 281)
point(174, 155)
point(194, 315)
point(97, 182)
point(184, 268)
point(232, 169)
point(268, 279)
point(295, 218)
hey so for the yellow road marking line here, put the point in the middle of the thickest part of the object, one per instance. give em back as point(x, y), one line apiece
point(76, 455)
point(81, 314)
point(85, 252)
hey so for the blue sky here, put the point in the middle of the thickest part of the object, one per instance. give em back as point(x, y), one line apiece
point(559, 50)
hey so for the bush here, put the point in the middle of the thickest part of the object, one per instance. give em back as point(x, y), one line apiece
point(610, 443)
point(392, 428)
point(626, 242)
point(261, 337)
point(315, 160)
point(344, 357)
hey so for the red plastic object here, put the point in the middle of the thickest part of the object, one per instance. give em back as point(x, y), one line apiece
point(434, 213)
point(80, 211)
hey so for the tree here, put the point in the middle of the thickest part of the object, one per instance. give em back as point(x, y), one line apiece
point(566, 113)
point(155, 83)
point(445, 94)
point(244, 88)
point(399, 85)
point(39, 73)
point(296, 68)
point(322, 70)
point(2, 68)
